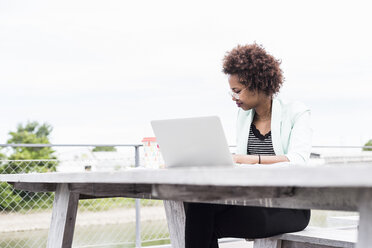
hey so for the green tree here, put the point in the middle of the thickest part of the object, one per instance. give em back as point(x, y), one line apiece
point(369, 143)
point(10, 200)
point(31, 133)
point(104, 149)
point(39, 159)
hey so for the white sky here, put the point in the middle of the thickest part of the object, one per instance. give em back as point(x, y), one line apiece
point(100, 71)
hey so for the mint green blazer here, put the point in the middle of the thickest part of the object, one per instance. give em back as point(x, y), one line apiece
point(290, 130)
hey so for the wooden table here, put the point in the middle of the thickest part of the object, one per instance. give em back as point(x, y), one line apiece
point(336, 187)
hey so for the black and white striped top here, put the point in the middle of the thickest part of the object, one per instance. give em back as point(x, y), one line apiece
point(258, 143)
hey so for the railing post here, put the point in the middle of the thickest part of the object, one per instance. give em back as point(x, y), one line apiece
point(138, 205)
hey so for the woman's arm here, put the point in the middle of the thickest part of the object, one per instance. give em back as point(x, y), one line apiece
point(300, 141)
point(254, 159)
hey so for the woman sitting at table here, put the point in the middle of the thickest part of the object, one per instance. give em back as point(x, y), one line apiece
point(269, 130)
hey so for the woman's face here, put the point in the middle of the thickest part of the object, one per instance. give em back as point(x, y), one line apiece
point(246, 99)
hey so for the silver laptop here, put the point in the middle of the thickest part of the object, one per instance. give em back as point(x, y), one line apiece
point(192, 142)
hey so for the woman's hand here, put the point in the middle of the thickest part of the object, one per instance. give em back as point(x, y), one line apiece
point(245, 159)
point(253, 159)
point(236, 158)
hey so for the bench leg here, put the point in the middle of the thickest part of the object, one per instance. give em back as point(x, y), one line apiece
point(175, 213)
point(365, 222)
point(63, 218)
point(267, 243)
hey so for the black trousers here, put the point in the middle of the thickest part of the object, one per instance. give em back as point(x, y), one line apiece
point(205, 223)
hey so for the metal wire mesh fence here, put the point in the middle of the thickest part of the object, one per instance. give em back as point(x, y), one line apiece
point(109, 222)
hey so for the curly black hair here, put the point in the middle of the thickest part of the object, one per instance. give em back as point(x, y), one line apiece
point(255, 68)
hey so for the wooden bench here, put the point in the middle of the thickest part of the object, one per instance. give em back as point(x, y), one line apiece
point(311, 237)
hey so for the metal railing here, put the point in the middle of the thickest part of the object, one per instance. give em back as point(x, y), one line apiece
point(107, 222)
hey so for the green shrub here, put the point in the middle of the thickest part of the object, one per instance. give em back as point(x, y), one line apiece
point(369, 143)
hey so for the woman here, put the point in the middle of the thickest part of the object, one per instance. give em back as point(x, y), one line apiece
point(269, 131)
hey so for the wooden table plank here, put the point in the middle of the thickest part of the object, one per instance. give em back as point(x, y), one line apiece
point(303, 176)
